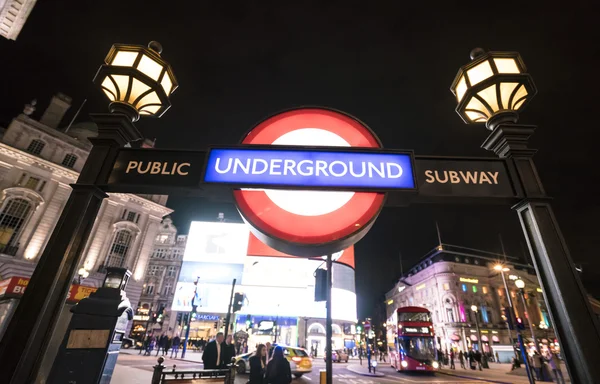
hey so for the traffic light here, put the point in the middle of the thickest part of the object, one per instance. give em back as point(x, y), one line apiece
point(186, 318)
point(248, 321)
point(520, 324)
point(238, 301)
point(179, 317)
point(358, 329)
point(320, 285)
point(216, 326)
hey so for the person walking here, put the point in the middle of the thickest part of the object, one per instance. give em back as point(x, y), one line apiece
point(150, 346)
point(461, 358)
point(554, 363)
point(160, 343)
point(452, 359)
point(258, 365)
point(536, 364)
point(211, 357)
point(175, 346)
point(278, 369)
point(228, 351)
point(478, 358)
point(167, 346)
point(498, 358)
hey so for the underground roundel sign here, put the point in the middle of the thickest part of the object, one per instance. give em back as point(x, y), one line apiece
point(311, 222)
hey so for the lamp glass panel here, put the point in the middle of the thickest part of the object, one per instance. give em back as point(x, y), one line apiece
point(480, 72)
point(519, 104)
point(150, 67)
point(122, 85)
point(476, 116)
point(521, 92)
point(125, 58)
point(166, 83)
point(150, 98)
point(110, 88)
point(137, 88)
point(150, 109)
point(506, 89)
point(506, 65)
point(489, 95)
point(461, 88)
point(109, 94)
point(477, 105)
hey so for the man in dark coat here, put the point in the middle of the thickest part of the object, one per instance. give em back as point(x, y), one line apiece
point(213, 354)
point(227, 351)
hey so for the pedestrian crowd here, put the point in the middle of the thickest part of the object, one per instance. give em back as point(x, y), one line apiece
point(269, 366)
point(545, 367)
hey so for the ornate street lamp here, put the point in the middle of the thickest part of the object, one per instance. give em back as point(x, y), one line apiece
point(492, 88)
point(136, 80)
point(82, 274)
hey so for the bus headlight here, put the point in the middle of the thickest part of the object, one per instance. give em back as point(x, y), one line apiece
point(435, 365)
point(404, 364)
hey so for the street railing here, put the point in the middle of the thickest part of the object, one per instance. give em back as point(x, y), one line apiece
point(200, 376)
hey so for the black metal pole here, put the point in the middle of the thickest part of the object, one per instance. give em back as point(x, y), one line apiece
point(522, 294)
point(576, 325)
point(328, 324)
point(31, 327)
point(189, 319)
point(228, 318)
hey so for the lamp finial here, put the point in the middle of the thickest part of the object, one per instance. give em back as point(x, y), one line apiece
point(155, 46)
point(476, 52)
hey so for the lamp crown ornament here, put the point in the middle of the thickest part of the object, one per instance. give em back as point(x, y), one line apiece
point(137, 80)
point(492, 88)
point(30, 108)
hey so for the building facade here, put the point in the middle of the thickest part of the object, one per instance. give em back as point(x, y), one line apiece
point(450, 279)
point(154, 309)
point(38, 162)
point(13, 14)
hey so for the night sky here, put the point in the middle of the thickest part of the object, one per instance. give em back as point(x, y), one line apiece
point(387, 63)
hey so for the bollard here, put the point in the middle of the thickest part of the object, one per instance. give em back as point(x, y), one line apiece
point(322, 376)
point(158, 369)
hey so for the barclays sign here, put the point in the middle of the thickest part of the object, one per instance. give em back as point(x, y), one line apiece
point(310, 168)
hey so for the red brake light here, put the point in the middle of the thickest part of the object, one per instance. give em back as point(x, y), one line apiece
point(296, 359)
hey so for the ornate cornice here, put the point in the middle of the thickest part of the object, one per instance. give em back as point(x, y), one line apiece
point(150, 205)
point(35, 161)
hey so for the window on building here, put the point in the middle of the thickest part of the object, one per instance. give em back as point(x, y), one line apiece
point(167, 289)
point(450, 315)
point(69, 160)
point(474, 289)
point(484, 315)
point(162, 238)
point(119, 249)
point(446, 287)
point(153, 270)
point(149, 289)
point(484, 290)
point(36, 147)
point(12, 218)
point(171, 271)
point(464, 287)
point(31, 182)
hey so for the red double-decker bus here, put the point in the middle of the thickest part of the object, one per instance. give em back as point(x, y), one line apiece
point(410, 340)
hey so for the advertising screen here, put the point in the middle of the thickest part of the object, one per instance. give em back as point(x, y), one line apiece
point(217, 253)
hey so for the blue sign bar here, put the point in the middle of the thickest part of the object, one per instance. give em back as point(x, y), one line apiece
point(306, 168)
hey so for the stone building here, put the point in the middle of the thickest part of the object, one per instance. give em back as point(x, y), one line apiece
point(38, 162)
point(450, 279)
point(13, 15)
point(160, 281)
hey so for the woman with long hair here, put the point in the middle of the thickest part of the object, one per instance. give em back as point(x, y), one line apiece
point(278, 369)
point(258, 365)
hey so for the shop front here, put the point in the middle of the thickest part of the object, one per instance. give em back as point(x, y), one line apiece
point(263, 329)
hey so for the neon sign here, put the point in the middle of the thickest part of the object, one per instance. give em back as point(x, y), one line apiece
point(352, 170)
point(469, 280)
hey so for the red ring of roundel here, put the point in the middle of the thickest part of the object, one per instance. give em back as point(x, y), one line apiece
point(270, 219)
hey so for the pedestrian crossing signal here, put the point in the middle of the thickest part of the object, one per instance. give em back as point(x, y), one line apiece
point(238, 301)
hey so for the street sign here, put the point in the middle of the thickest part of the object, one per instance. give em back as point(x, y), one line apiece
point(328, 168)
point(158, 167)
point(456, 177)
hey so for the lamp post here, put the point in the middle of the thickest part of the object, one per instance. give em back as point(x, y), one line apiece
point(82, 274)
point(521, 285)
point(511, 311)
point(137, 81)
point(479, 342)
point(492, 89)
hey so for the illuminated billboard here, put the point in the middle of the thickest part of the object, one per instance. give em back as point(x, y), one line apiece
point(273, 285)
